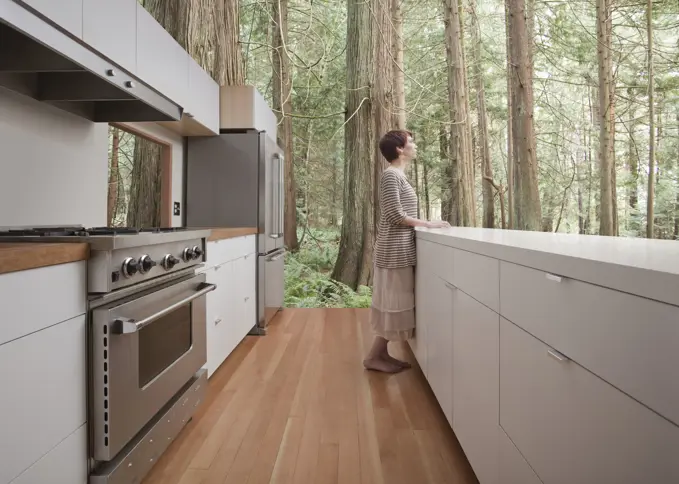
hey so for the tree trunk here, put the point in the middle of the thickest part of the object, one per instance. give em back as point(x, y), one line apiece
point(527, 212)
point(449, 205)
point(486, 166)
point(113, 177)
point(425, 188)
point(228, 60)
point(462, 211)
point(510, 122)
point(282, 105)
point(143, 210)
point(606, 122)
point(399, 74)
point(381, 96)
point(651, 123)
point(354, 259)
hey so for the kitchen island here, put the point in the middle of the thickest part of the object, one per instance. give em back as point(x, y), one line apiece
point(553, 356)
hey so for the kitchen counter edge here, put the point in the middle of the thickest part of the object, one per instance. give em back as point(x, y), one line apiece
point(15, 257)
point(222, 233)
point(628, 269)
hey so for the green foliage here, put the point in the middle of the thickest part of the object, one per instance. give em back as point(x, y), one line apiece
point(307, 275)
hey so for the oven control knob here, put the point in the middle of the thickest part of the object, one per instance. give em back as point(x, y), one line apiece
point(169, 261)
point(130, 267)
point(188, 254)
point(146, 263)
point(197, 252)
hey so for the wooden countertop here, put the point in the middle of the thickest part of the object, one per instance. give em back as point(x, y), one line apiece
point(230, 233)
point(22, 256)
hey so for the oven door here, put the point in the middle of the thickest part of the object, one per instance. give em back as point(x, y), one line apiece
point(144, 349)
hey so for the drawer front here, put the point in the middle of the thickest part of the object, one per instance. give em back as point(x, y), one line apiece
point(220, 251)
point(571, 426)
point(629, 341)
point(512, 467)
point(65, 464)
point(60, 291)
point(43, 382)
point(478, 276)
point(437, 257)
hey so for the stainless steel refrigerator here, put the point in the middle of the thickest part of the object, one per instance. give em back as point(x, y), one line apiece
point(236, 180)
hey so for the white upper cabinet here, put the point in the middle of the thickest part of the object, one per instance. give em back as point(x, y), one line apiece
point(203, 100)
point(110, 27)
point(67, 14)
point(161, 62)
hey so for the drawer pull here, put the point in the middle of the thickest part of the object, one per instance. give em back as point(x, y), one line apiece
point(217, 321)
point(557, 356)
point(553, 278)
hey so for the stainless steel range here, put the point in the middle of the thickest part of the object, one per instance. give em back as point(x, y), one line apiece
point(146, 341)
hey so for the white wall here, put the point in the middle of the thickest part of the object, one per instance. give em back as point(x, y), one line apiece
point(53, 165)
point(155, 131)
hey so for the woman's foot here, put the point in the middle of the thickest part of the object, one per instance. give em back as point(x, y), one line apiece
point(401, 364)
point(379, 364)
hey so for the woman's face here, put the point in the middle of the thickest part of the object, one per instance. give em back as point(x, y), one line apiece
point(409, 151)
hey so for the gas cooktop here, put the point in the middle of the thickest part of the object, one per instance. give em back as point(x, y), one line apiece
point(102, 238)
point(77, 231)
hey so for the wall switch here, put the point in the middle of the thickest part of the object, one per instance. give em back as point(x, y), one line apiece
point(177, 209)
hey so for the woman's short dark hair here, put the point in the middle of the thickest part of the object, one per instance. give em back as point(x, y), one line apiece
point(397, 138)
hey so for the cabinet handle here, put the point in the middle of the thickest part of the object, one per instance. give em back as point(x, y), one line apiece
point(217, 321)
point(552, 277)
point(247, 299)
point(557, 356)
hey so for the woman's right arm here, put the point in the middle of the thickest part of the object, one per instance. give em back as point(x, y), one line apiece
point(393, 210)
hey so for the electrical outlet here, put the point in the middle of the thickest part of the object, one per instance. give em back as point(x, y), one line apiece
point(177, 209)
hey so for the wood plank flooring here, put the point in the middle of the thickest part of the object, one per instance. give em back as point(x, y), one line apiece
point(297, 407)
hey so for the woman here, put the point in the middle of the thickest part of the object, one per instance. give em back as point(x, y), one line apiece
point(392, 314)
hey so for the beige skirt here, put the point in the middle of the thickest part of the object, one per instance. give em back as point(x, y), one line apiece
point(392, 315)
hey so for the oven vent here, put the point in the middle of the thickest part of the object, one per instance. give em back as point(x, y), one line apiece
point(105, 360)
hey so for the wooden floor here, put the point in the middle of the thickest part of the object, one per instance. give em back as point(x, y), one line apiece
point(297, 407)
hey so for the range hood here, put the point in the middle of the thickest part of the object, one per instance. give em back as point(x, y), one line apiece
point(40, 61)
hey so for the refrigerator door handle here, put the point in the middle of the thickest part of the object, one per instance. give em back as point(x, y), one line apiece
point(281, 192)
point(275, 196)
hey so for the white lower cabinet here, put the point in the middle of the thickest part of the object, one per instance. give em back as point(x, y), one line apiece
point(440, 343)
point(572, 426)
point(43, 401)
point(65, 464)
point(231, 308)
point(512, 467)
point(476, 379)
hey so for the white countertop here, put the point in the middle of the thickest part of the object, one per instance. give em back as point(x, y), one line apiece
point(647, 268)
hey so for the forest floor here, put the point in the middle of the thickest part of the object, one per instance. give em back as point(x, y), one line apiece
point(307, 275)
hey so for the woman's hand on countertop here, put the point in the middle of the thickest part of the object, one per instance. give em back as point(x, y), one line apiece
point(437, 225)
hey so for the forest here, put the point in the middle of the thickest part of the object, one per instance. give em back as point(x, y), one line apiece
point(541, 115)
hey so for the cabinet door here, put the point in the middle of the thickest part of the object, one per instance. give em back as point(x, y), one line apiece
point(247, 276)
point(110, 27)
point(422, 310)
point(161, 61)
point(67, 14)
point(440, 345)
point(204, 97)
point(43, 381)
point(476, 377)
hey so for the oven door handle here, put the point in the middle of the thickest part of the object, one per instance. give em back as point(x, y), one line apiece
point(127, 325)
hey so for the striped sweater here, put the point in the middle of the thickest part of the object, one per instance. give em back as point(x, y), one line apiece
point(395, 245)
